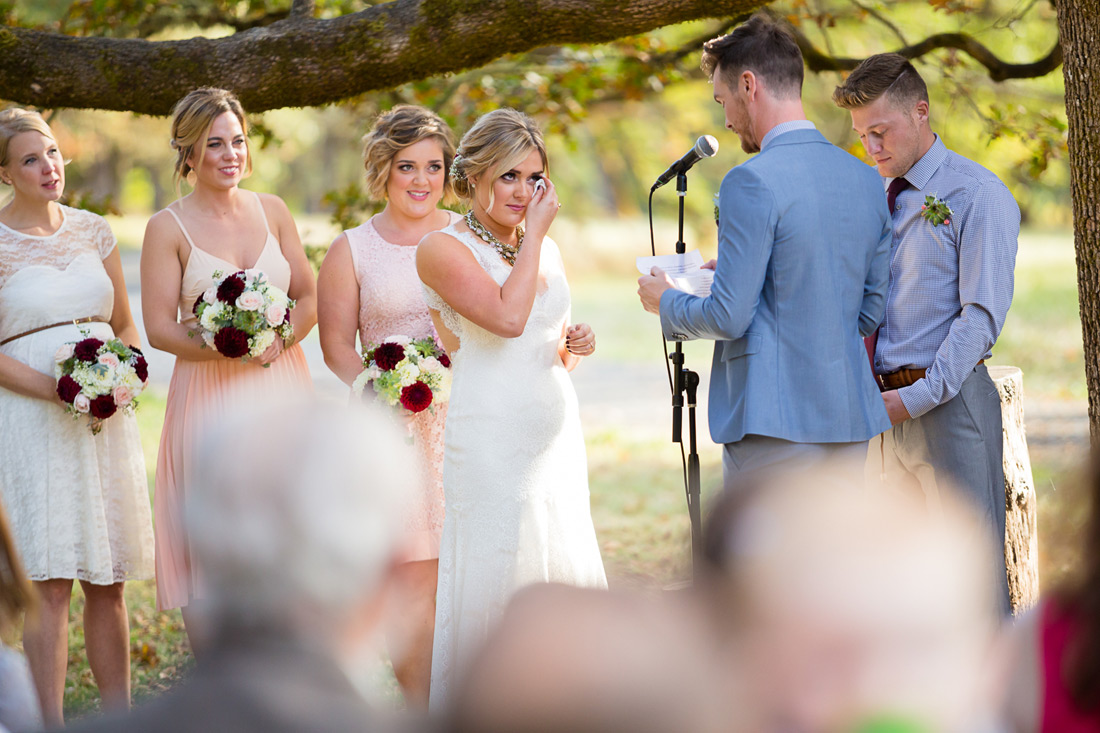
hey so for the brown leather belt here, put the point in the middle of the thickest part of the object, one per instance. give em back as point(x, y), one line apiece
point(905, 377)
point(89, 319)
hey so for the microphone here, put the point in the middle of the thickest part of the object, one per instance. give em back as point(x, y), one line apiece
point(705, 147)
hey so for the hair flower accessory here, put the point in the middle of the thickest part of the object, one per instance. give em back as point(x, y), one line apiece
point(936, 211)
point(454, 165)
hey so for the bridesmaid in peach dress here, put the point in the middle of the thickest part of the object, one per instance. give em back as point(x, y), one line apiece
point(218, 226)
point(368, 286)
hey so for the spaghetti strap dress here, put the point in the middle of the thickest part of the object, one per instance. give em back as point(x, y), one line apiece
point(199, 394)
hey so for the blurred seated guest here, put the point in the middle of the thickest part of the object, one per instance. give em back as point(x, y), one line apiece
point(298, 546)
point(18, 703)
point(823, 607)
point(1055, 647)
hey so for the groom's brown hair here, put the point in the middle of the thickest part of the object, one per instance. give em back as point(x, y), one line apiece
point(762, 46)
point(884, 73)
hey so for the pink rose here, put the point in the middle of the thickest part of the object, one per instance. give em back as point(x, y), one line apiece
point(250, 300)
point(275, 314)
point(210, 295)
point(81, 403)
point(123, 395)
point(64, 353)
point(109, 359)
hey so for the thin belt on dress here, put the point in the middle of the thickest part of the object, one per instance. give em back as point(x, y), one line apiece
point(76, 322)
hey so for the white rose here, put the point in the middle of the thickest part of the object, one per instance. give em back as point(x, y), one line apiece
point(250, 300)
point(275, 314)
point(82, 403)
point(64, 353)
point(407, 372)
point(209, 319)
point(132, 381)
point(399, 340)
point(276, 295)
point(109, 359)
point(373, 372)
point(210, 296)
point(123, 395)
point(261, 341)
point(430, 365)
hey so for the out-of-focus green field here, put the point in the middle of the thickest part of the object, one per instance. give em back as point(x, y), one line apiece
point(635, 475)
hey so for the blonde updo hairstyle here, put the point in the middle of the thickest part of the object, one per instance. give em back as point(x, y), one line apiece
point(393, 131)
point(15, 120)
point(192, 118)
point(497, 142)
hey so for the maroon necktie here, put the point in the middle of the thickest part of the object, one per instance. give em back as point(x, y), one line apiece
point(896, 186)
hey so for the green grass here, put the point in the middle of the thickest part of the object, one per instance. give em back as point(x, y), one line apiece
point(638, 504)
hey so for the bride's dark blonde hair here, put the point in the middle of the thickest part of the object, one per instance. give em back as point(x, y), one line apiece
point(496, 143)
point(192, 118)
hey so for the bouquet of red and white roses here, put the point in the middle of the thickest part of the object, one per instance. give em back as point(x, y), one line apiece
point(241, 314)
point(412, 373)
point(98, 378)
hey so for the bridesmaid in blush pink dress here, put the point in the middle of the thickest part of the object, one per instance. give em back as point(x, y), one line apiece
point(368, 286)
point(217, 227)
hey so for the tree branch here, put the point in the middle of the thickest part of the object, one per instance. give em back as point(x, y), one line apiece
point(303, 61)
point(998, 70)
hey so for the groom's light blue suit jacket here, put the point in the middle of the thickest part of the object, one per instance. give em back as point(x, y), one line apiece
point(803, 262)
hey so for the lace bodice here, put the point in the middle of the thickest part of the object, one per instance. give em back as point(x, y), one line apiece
point(549, 313)
point(391, 300)
point(81, 232)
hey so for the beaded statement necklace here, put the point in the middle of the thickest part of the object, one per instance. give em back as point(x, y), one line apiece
point(506, 251)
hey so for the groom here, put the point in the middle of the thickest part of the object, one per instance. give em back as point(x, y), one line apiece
point(803, 257)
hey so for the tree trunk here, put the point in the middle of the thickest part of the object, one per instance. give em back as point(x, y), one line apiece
point(1021, 534)
point(302, 61)
point(1079, 25)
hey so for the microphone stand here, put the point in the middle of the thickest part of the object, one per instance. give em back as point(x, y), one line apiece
point(685, 380)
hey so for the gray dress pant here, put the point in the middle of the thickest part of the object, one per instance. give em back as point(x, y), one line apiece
point(959, 444)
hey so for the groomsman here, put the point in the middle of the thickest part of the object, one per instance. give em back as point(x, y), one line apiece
point(801, 274)
point(951, 275)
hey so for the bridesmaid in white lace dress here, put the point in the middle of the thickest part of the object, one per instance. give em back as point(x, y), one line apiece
point(78, 503)
point(368, 286)
point(514, 467)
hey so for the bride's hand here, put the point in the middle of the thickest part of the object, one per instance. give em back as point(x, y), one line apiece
point(542, 209)
point(580, 340)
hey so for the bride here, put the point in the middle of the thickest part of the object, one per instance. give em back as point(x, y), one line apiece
point(515, 476)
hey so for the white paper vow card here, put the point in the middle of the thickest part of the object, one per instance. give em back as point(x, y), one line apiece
point(686, 271)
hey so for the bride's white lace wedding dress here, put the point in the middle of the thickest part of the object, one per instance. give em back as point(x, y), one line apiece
point(515, 474)
point(78, 503)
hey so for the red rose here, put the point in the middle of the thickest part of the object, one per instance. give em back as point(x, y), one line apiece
point(388, 355)
point(103, 407)
point(416, 397)
point(445, 360)
point(231, 342)
point(141, 367)
point(67, 389)
point(231, 289)
point(87, 350)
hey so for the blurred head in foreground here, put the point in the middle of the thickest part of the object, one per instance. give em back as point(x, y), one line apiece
point(296, 515)
point(853, 609)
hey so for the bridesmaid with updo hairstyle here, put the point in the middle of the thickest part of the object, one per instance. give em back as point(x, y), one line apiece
point(218, 227)
point(368, 286)
point(78, 502)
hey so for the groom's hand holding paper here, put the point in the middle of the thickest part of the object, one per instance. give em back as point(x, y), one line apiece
point(686, 272)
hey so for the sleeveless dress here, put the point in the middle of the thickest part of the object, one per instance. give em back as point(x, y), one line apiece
point(515, 473)
point(78, 503)
point(391, 302)
point(199, 393)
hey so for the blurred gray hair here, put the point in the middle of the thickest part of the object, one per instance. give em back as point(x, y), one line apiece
point(296, 512)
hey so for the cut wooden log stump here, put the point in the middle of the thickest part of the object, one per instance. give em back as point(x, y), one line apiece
point(1021, 531)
